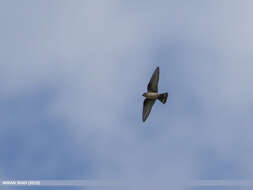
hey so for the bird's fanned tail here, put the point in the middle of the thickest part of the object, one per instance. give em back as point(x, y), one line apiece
point(163, 97)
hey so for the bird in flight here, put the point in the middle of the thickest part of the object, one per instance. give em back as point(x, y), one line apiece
point(152, 94)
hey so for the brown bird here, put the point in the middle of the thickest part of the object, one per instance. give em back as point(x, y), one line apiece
point(152, 95)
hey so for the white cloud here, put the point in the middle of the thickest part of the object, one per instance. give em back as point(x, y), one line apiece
point(98, 55)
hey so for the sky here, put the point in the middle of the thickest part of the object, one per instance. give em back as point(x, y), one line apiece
point(72, 75)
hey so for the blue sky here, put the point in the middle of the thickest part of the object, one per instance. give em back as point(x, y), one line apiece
point(72, 74)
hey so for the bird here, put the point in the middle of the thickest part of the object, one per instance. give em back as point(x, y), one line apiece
point(152, 95)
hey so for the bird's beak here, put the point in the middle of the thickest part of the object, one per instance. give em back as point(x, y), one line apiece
point(143, 94)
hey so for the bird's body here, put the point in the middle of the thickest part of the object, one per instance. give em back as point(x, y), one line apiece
point(152, 94)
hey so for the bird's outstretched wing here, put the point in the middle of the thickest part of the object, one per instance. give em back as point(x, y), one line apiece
point(153, 83)
point(147, 106)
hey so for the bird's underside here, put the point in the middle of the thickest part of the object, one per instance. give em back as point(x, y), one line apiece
point(152, 95)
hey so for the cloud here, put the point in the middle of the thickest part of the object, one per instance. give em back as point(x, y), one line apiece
point(97, 57)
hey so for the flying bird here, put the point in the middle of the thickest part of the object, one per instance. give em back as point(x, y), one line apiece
point(152, 95)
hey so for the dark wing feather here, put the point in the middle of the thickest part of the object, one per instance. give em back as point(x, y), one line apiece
point(147, 106)
point(153, 83)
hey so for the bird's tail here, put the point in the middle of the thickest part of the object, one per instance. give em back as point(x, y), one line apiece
point(163, 97)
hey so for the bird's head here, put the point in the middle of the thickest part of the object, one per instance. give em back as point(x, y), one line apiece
point(144, 94)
